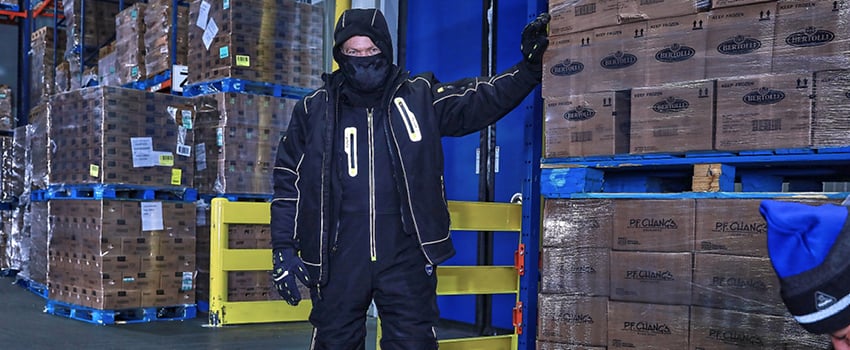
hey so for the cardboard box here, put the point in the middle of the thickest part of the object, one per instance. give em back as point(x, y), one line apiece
point(637, 10)
point(675, 49)
point(130, 44)
point(94, 135)
point(573, 319)
point(811, 36)
point(582, 271)
point(721, 282)
point(278, 42)
point(740, 40)
point(546, 345)
point(764, 112)
point(673, 118)
point(618, 57)
point(830, 125)
point(663, 278)
point(572, 16)
point(7, 111)
point(41, 56)
point(730, 226)
point(659, 225)
point(567, 65)
point(577, 223)
point(236, 139)
point(647, 326)
point(586, 125)
point(715, 4)
point(797, 338)
point(726, 329)
point(160, 34)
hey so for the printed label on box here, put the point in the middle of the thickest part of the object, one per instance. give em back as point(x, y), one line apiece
point(223, 52)
point(183, 150)
point(176, 176)
point(187, 119)
point(187, 281)
point(152, 216)
point(142, 148)
point(165, 158)
point(209, 33)
point(243, 61)
point(203, 16)
point(94, 170)
point(225, 4)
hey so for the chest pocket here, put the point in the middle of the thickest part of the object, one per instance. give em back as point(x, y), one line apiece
point(409, 118)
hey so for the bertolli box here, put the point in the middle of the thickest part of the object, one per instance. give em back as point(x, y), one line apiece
point(730, 226)
point(740, 40)
point(764, 112)
point(580, 271)
point(832, 106)
point(618, 61)
point(572, 16)
point(663, 278)
point(566, 65)
point(547, 345)
point(659, 225)
point(675, 49)
point(736, 283)
point(587, 124)
point(647, 326)
point(672, 118)
point(577, 320)
point(577, 223)
point(636, 10)
point(717, 329)
point(811, 36)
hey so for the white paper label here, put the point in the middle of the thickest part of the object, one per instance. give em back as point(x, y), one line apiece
point(179, 77)
point(143, 155)
point(187, 284)
point(152, 216)
point(203, 15)
point(183, 150)
point(200, 157)
point(209, 33)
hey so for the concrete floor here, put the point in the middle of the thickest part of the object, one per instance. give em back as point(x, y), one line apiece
point(24, 325)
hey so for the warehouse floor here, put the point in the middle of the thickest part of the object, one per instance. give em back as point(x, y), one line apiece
point(24, 325)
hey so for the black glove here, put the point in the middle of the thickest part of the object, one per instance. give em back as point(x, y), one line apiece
point(287, 266)
point(535, 39)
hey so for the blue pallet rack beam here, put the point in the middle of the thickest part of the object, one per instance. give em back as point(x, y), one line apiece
point(116, 191)
point(244, 86)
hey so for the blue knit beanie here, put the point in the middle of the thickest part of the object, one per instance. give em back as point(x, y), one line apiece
point(809, 248)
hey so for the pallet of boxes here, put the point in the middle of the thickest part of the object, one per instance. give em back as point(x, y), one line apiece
point(675, 83)
point(249, 62)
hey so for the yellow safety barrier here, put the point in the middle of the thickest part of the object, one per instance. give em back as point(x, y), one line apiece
point(451, 280)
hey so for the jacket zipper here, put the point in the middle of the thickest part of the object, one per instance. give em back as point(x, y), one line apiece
point(371, 131)
point(404, 177)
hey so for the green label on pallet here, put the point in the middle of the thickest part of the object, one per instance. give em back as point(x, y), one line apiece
point(223, 52)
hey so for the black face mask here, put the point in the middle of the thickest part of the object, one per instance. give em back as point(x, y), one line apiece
point(367, 74)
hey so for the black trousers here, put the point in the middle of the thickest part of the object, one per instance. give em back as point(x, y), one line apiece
point(399, 279)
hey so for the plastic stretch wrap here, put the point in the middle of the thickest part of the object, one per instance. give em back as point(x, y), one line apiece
point(159, 33)
point(107, 66)
point(277, 41)
point(113, 135)
point(108, 255)
point(99, 28)
point(39, 146)
point(7, 175)
point(236, 141)
point(7, 110)
point(63, 78)
point(717, 292)
point(776, 69)
point(34, 240)
point(43, 59)
point(130, 44)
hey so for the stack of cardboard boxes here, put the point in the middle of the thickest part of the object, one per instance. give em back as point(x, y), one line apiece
point(130, 44)
point(742, 75)
point(45, 55)
point(661, 274)
point(165, 40)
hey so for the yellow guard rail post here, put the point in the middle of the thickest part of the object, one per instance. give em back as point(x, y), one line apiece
point(451, 280)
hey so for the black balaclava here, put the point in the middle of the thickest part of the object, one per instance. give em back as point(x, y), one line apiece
point(365, 74)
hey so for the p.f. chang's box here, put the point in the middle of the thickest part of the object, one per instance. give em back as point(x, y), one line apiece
point(662, 278)
point(764, 112)
point(588, 124)
point(812, 35)
point(576, 320)
point(731, 227)
point(580, 271)
point(662, 225)
point(578, 223)
point(719, 329)
point(720, 282)
point(740, 39)
point(673, 118)
point(647, 326)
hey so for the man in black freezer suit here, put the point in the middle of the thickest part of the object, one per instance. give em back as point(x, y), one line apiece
point(358, 184)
